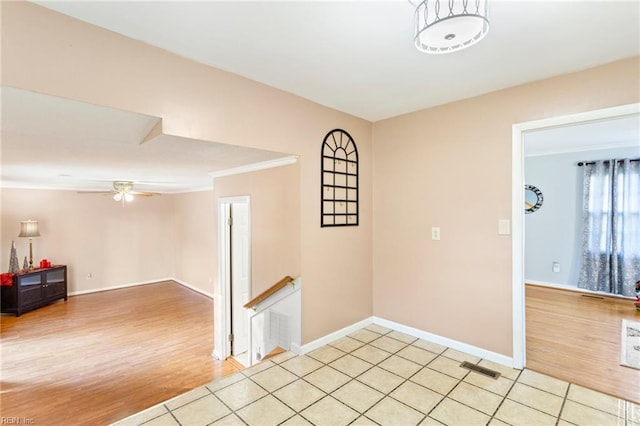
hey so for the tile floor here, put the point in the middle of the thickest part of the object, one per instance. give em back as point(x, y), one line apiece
point(377, 376)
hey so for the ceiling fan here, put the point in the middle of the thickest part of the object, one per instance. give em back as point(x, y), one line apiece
point(123, 191)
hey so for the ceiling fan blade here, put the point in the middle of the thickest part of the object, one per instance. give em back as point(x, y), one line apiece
point(144, 194)
point(94, 192)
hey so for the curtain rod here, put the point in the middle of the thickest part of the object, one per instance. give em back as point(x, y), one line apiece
point(586, 163)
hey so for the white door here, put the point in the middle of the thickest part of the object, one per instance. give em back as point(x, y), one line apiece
point(240, 275)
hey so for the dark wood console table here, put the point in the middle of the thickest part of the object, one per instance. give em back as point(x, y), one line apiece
point(33, 289)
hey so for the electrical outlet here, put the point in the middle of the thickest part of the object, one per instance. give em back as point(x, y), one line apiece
point(89, 275)
point(435, 233)
point(555, 266)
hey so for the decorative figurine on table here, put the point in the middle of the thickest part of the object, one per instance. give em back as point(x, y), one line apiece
point(637, 303)
point(25, 265)
point(14, 265)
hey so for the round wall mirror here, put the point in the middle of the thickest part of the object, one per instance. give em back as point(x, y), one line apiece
point(532, 198)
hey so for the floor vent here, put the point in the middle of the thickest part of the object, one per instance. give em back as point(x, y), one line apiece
point(478, 369)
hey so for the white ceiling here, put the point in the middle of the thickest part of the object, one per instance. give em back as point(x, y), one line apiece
point(358, 56)
point(41, 149)
point(354, 56)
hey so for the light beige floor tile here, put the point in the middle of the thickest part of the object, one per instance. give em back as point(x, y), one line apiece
point(496, 422)
point(326, 354)
point(297, 420)
point(400, 366)
point(201, 412)
point(430, 421)
point(535, 398)
point(543, 382)
point(301, 365)
point(225, 381)
point(240, 394)
point(380, 380)
point(230, 420)
point(371, 354)
point(506, 372)
point(477, 398)
point(274, 378)
point(165, 420)
point(417, 355)
point(448, 366)
point(364, 335)
point(363, 421)
point(429, 346)
point(501, 386)
point(299, 394)
point(403, 337)
point(520, 415)
point(391, 412)
point(564, 423)
point(350, 365)
point(416, 396)
point(451, 412)
point(284, 356)
point(378, 329)
point(434, 380)
point(186, 398)
point(261, 366)
point(327, 379)
point(582, 415)
point(357, 396)
point(329, 412)
point(460, 356)
point(597, 400)
point(388, 344)
point(143, 416)
point(633, 413)
point(267, 411)
point(347, 344)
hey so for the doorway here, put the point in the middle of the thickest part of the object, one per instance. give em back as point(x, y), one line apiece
point(234, 260)
point(518, 133)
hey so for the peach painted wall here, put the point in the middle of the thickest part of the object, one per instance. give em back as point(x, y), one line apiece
point(92, 234)
point(195, 249)
point(450, 167)
point(275, 221)
point(50, 53)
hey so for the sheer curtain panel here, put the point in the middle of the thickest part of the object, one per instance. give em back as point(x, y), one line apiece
point(611, 227)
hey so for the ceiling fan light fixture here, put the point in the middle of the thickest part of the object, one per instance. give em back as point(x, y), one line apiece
point(445, 26)
point(117, 196)
point(128, 197)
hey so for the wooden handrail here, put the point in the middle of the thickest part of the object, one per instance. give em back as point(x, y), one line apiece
point(268, 292)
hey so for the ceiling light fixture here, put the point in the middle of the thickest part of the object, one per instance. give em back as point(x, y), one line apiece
point(123, 191)
point(444, 26)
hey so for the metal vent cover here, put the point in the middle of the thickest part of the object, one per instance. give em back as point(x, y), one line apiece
point(479, 369)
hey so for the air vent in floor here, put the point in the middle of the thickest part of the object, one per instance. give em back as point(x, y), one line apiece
point(592, 297)
point(482, 370)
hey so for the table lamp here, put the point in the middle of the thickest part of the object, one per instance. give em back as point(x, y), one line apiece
point(29, 229)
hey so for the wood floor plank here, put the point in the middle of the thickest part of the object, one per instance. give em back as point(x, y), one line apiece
point(577, 339)
point(103, 356)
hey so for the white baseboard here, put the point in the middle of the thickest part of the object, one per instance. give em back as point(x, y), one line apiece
point(311, 346)
point(576, 289)
point(116, 287)
point(158, 280)
point(194, 288)
point(445, 341)
point(420, 334)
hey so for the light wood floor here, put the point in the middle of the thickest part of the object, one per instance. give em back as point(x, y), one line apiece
point(100, 357)
point(577, 339)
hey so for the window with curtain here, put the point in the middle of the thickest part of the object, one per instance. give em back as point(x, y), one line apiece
point(611, 227)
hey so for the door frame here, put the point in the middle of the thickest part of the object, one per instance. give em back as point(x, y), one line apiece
point(517, 210)
point(222, 302)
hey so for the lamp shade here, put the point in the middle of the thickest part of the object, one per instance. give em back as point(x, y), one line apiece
point(29, 228)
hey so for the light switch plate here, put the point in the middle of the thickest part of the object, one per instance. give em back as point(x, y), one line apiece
point(504, 227)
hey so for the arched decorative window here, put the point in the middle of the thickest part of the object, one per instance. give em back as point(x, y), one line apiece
point(339, 185)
